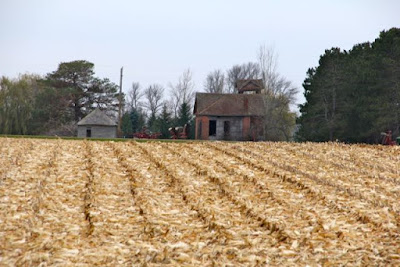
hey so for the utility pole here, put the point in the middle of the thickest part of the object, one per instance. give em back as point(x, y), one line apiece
point(120, 105)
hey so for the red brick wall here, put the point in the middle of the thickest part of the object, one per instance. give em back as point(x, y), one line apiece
point(204, 127)
point(246, 128)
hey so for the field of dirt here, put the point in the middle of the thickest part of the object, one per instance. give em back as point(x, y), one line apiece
point(71, 202)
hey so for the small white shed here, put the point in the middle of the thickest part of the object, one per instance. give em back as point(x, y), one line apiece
point(97, 125)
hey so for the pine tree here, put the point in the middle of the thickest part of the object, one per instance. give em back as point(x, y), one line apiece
point(137, 119)
point(354, 95)
point(164, 122)
point(184, 114)
point(85, 91)
point(126, 125)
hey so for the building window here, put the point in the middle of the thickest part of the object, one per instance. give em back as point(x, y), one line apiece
point(88, 132)
point(213, 128)
point(227, 127)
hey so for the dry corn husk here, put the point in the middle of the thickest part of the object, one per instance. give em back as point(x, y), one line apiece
point(104, 203)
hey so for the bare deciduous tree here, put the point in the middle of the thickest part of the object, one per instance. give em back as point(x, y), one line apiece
point(274, 83)
point(250, 70)
point(153, 95)
point(215, 82)
point(134, 95)
point(279, 95)
point(267, 61)
point(182, 92)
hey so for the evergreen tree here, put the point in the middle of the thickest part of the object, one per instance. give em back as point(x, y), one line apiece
point(192, 129)
point(137, 119)
point(354, 96)
point(152, 123)
point(387, 56)
point(164, 122)
point(126, 125)
point(85, 91)
point(184, 114)
point(323, 91)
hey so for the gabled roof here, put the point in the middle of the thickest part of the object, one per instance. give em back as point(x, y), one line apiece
point(229, 104)
point(97, 117)
point(249, 85)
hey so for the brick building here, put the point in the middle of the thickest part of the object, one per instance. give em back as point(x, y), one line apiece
point(231, 116)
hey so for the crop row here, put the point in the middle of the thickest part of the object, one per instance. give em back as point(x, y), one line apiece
point(80, 202)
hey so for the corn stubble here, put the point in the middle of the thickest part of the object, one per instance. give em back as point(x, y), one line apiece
point(234, 204)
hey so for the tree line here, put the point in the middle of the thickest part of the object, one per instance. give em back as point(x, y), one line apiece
point(353, 96)
point(54, 103)
point(279, 94)
point(149, 108)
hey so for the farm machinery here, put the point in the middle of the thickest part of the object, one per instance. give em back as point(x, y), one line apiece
point(146, 134)
point(179, 132)
point(387, 139)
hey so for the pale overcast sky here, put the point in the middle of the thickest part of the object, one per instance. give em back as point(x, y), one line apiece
point(155, 41)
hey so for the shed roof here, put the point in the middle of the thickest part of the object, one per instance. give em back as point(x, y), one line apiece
point(97, 117)
point(229, 104)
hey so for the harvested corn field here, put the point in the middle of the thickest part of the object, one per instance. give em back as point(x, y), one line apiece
point(127, 203)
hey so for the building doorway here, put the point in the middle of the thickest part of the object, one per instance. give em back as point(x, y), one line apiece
point(212, 131)
point(227, 130)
